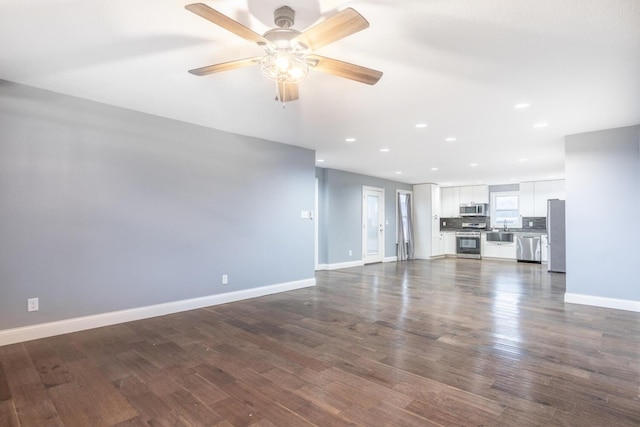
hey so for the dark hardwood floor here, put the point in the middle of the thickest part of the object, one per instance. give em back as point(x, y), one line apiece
point(425, 343)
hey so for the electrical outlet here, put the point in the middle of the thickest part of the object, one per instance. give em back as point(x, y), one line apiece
point(350, 252)
point(225, 279)
point(444, 223)
point(530, 223)
point(33, 304)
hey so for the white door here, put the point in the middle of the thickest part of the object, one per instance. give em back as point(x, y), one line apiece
point(372, 224)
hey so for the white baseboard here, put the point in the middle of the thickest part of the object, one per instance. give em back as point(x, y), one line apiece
point(618, 304)
point(489, 258)
point(359, 263)
point(44, 330)
point(339, 265)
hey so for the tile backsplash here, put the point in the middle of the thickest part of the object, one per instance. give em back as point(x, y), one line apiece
point(528, 223)
point(534, 222)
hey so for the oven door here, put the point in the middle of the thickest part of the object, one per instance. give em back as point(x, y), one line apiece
point(468, 246)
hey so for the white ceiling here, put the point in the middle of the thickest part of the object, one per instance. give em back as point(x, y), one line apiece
point(457, 65)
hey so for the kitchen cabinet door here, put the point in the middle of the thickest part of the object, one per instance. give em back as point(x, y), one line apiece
point(436, 205)
point(449, 240)
point(466, 195)
point(526, 199)
point(556, 189)
point(502, 250)
point(543, 190)
point(450, 206)
point(437, 246)
point(474, 194)
point(480, 193)
point(544, 243)
point(423, 219)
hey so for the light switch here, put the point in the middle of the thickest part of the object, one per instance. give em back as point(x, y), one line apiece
point(304, 214)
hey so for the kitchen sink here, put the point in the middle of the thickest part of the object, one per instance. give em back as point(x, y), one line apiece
point(499, 236)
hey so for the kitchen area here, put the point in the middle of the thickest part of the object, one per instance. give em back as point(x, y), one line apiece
point(514, 222)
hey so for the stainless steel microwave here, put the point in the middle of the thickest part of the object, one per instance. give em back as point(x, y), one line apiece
point(474, 209)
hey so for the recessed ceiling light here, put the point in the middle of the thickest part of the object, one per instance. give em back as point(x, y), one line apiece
point(450, 139)
point(522, 160)
point(541, 125)
point(350, 139)
point(398, 172)
point(320, 160)
point(434, 169)
point(522, 105)
point(421, 125)
point(473, 164)
point(384, 150)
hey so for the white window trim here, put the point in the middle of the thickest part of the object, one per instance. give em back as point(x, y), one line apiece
point(518, 223)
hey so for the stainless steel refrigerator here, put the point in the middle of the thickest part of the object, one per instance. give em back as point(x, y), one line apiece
point(556, 234)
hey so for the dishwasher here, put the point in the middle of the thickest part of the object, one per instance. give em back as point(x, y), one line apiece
point(528, 248)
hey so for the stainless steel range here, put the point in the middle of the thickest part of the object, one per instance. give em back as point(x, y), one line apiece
point(468, 242)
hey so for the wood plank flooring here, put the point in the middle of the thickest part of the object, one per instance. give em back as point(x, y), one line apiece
point(449, 342)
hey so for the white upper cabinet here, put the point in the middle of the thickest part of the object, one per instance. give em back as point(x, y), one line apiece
point(450, 207)
point(480, 194)
point(453, 197)
point(474, 194)
point(534, 196)
point(527, 199)
point(466, 195)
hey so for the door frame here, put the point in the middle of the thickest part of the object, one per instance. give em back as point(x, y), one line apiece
point(316, 228)
point(382, 225)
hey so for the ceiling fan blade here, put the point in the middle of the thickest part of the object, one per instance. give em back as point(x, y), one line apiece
point(225, 22)
point(345, 69)
point(287, 91)
point(224, 66)
point(337, 27)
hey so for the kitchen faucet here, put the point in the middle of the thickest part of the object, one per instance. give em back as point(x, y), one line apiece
point(505, 225)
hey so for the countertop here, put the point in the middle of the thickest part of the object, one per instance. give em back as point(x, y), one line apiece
point(510, 230)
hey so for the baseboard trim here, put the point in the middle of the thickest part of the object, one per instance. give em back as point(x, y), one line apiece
point(390, 259)
point(320, 267)
point(618, 304)
point(44, 330)
point(489, 258)
point(339, 265)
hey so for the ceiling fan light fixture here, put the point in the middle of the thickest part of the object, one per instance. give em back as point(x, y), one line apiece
point(284, 67)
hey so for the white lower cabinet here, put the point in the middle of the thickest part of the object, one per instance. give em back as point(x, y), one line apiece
point(449, 240)
point(437, 245)
point(505, 250)
point(544, 242)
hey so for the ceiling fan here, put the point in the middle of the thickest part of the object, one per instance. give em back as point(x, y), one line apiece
point(289, 54)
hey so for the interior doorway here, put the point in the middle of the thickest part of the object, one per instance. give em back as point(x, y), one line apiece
point(372, 224)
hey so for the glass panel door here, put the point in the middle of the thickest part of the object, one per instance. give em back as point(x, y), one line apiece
point(373, 224)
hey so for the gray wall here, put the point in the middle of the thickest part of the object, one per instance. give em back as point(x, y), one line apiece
point(104, 209)
point(341, 207)
point(603, 198)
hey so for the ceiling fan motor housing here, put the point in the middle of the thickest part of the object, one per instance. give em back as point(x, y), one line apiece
point(284, 17)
